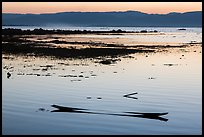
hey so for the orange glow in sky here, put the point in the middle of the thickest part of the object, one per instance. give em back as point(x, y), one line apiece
point(146, 7)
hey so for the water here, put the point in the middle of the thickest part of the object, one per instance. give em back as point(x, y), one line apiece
point(161, 29)
point(176, 89)
point(166, 35)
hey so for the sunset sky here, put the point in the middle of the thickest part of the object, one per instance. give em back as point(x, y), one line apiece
point(147, 7)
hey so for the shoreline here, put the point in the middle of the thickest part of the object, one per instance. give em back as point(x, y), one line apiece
point(16, 41)
point(40, 31)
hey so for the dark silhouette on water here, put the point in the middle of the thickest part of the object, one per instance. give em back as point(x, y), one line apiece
point(13, 31)
point(129, 95)
point(155, 116)
point(14, 45)
point(67, 109)
point(108, 61)
point(182, 29)
point(14, 41)
point(8, 75)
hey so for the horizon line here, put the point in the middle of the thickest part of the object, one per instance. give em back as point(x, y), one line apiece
point(99, 12)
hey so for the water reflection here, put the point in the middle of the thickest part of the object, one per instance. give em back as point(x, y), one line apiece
point(156, 116)
point(177, 89)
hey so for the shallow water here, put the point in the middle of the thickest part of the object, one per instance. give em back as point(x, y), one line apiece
point(165, 35)
point(162, 29)
point(165, 82)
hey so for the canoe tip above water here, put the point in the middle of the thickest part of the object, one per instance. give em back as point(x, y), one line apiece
point(152, 114)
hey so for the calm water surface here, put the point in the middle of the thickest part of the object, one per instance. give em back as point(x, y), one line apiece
point(161, 88)
point(165, 35)
point(165, 82)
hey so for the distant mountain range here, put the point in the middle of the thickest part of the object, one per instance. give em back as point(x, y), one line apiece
point(103, 19)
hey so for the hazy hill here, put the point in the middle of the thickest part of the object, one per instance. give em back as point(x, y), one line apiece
point(127, 18)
